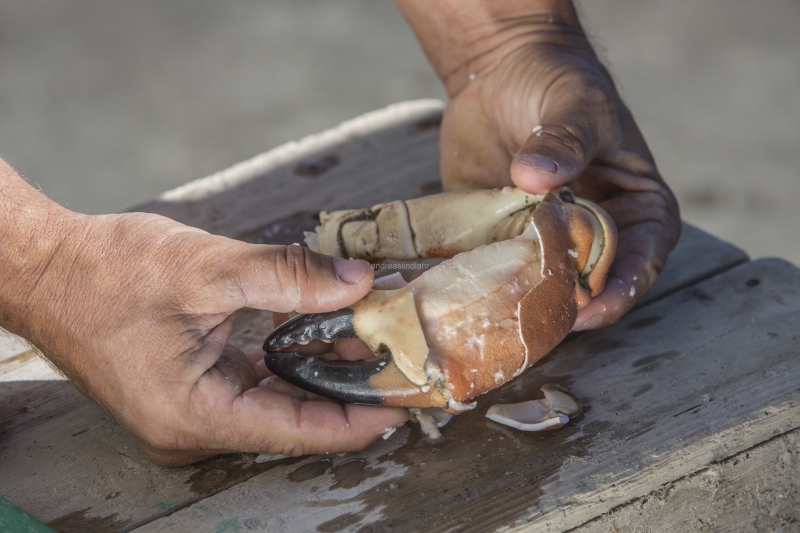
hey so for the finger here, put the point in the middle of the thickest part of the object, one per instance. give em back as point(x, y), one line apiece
point(471, 154)
point(626, 283)
point(648, 223)
point(233, 369)
point(276, 417)
point(199, 432)
point(293, 427)
point(293, 278)
point(641, 253)
point(577, 121)
point(276, 384)
point(260, 369)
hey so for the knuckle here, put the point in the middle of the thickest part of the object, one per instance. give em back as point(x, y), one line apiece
point(588, 110)
point(205, 274)
point(594, 90)
point(298, 264)
point(573, 137)
point(658, 206)
point(294, 266)
point(599, 98)
point(293, 449)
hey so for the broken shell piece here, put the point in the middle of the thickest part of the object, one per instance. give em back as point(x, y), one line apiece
point(561, 400)
point(431, 419)
point(267, 457)
point(552, 412)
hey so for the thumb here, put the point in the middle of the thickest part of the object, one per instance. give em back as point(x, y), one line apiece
point(570, 134)
point(293, 278)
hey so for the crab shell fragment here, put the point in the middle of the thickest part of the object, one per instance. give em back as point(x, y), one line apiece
point(550, 413)
point(519, 267)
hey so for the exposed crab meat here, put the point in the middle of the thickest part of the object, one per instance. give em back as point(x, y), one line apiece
point(520, 267)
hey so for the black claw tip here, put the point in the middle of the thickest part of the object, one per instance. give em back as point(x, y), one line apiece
point(345, 381)
point(331, 326)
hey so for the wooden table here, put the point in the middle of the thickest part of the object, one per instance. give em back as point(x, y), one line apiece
point(691, 402)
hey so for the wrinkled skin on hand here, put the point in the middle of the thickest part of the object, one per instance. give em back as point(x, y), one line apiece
point(532, 104)
point(137, 309)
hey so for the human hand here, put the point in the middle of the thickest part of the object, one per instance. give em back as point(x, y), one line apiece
point(136, 309)
point(532, 104)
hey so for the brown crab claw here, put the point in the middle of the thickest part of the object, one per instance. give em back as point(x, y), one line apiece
point(519, 267)
point(376, 381)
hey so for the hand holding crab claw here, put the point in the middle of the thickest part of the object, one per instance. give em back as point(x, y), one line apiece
point(137, 309)
point(532, 105)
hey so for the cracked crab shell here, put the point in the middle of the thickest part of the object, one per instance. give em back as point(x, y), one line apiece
point(520, 267)
point(548, 276)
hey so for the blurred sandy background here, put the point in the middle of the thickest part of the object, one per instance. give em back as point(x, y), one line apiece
point(106, 103)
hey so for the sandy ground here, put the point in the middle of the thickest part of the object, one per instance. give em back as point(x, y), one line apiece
point(105, 104)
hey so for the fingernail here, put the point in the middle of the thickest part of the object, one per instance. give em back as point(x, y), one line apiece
point(539, 162)
point(349, 270)
point(590, 323)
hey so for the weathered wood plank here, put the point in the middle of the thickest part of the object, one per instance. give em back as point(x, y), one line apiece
point(694, 259)
point(756, 490)
point(675, 386)
point(54, 442)
point(381, 156)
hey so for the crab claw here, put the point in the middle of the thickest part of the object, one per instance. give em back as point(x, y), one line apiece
point(520, 267)
point(302, 329)
point(376, 381)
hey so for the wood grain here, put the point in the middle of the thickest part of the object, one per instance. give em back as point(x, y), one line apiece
point(672, 388)
point(692, 261)
point(756, 490)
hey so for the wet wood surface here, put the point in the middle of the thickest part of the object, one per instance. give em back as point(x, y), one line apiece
point(662, 388)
